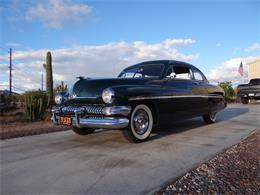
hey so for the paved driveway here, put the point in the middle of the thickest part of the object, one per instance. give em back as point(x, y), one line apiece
point(104, 163)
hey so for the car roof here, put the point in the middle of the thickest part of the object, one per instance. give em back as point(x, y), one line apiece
point(165, 62)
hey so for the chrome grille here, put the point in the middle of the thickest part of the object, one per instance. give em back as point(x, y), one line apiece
point(93, 109)
point(88, 109)
point(71, 109)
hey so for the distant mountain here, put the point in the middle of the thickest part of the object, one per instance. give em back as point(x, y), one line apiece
point(6, 92)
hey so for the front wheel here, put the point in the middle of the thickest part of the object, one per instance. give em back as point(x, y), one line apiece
point(82, 131)
point(210, 118)
point(141, 124)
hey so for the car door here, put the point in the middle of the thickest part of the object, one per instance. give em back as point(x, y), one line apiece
point(180, 85)
point(201, 90)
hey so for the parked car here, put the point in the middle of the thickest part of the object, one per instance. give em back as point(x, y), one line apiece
point(249, 91)
point(143, 95)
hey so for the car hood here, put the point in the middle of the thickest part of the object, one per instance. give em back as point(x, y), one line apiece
point(94, 87)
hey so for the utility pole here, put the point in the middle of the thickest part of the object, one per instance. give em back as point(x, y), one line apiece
point(42, 82)
point(10, 74)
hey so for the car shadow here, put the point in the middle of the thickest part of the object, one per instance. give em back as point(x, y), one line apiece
point(189, 124)
point(112, 138)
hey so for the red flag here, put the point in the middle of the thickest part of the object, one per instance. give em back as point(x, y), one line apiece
point(240, 69)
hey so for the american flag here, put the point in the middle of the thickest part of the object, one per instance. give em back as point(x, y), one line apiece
point(240, 69)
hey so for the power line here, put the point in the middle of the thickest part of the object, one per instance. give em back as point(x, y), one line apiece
point(19, 89)
point(21, 70)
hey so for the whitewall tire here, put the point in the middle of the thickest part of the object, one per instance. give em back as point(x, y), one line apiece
point(141, 124)
point(210, 118)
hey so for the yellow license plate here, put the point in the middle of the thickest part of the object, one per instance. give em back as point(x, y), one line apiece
point(65, 120)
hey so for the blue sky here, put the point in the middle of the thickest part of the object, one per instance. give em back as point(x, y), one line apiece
point(221, 31)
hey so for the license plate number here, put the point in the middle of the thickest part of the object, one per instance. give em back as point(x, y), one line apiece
point(251, 94)
point(65, 120)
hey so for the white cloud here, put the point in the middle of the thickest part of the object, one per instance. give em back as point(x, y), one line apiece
point(57, 13)
point(218, 44)
point(253, 47)
point(14, 45)
point(228, 71)
point(91, 61)
point(177, 42)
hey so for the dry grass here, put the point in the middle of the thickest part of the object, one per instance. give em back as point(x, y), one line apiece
point(14, 124)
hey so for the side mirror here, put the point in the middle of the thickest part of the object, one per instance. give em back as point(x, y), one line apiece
point(171, 76)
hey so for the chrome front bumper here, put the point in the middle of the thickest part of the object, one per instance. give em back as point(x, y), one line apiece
point(108, 121)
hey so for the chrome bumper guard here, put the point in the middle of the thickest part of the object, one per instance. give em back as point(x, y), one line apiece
point(107, 122)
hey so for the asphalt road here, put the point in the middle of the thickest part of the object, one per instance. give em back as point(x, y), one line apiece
point(105, 163)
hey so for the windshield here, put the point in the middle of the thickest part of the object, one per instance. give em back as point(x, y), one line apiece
point(255, 82)
point(143, 71)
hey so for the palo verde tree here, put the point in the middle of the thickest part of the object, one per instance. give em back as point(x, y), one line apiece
point(49, 79)
point(230, 93)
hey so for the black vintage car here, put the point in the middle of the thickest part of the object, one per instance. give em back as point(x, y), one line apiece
point(143, 95)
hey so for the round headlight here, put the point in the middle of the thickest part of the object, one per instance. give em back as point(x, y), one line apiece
point(58, 99)
point(108, 95)
point(61, 97)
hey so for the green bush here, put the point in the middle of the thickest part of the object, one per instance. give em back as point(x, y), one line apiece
point(230, 94)
point(35, 104)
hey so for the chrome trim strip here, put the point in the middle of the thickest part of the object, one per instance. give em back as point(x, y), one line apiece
point(85, 97)
point(117, 110)
point(175, 96)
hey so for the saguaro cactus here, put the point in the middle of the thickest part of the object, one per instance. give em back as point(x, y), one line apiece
point(49, 79)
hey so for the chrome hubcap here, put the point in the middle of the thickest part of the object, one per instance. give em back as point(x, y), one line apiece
point(213, 116)
point(141, 122)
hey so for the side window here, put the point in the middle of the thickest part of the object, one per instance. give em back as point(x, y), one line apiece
point(179, 72)
point(197, 75)
point(182, 72)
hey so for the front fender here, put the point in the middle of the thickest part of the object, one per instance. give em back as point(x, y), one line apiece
point(124, 93)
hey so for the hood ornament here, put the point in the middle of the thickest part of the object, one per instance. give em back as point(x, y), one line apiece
point(72, 96)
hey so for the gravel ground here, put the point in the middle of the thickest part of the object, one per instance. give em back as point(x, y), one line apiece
point(235, 171)
point(20, 129)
